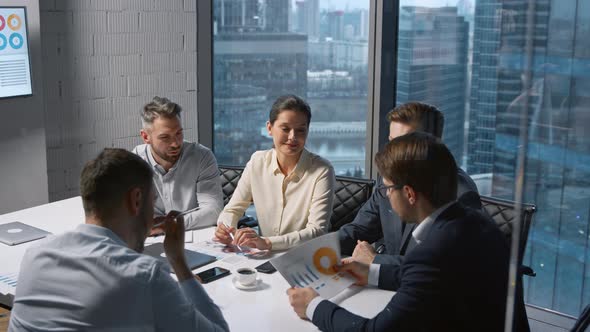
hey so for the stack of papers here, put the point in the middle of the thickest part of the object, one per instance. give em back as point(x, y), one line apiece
point(8, 282)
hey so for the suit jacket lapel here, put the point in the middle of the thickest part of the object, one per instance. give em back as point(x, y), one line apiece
point(407, 239)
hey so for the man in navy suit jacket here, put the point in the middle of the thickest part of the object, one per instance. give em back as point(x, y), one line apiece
point(376, 222)
point(455, 278)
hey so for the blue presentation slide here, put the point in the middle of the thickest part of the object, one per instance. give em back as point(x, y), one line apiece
point(15, 70)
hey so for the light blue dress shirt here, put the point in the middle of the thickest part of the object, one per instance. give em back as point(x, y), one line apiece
point(89, 280)
point(193, 181)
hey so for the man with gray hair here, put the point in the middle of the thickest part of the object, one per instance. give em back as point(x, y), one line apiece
point(186, 175)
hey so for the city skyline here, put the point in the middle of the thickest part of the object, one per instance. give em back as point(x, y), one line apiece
point(468, 59)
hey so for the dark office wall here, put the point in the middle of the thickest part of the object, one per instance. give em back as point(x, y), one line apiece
point(23, 163)
point(94, 64)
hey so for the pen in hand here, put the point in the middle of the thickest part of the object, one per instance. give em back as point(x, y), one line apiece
point(233, 239)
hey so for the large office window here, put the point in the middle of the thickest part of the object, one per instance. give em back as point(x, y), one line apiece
point(481, 62)
point(315, 49)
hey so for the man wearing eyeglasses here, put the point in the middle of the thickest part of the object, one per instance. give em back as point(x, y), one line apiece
point(376, 222)
point(455, 279)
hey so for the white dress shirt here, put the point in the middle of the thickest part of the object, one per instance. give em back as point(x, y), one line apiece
point(290, 209)
point(193, 181)
point(419, 234)
point(89, 280)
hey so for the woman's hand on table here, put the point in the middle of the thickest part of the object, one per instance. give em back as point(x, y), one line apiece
point(249, 238)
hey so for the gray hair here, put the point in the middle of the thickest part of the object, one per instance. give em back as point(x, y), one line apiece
point(159, 107)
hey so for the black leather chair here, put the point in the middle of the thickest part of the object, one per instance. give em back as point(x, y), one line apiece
point(504, 214)
point(583, 321)
point(349, 195)
point(230, 175)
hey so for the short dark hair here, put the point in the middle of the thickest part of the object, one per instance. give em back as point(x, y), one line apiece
point(289, 103)
point(105, 180)
point(421, 116)
point(422, 162)
point(159, 107)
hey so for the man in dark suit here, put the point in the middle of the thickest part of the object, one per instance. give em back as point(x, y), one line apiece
point(455, 278)
point(376, 222)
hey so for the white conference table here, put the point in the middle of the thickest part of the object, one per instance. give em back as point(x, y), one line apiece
point(265, 308)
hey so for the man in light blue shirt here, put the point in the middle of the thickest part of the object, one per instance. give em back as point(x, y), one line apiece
point(96, 279)
point(186, 175)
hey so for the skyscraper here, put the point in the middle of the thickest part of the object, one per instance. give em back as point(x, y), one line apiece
point(276, 15)
point(358, 21)
point(256, 60)
point(237, 15)
point(484, 94)
point(276, 62)
point(308, 18)
point(336, 25)
point(551, 111)
point(239, 106)
point(432, 65)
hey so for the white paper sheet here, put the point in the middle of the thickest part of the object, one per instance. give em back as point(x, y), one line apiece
point(188, 238)
point(8, 282)
point(312, 265)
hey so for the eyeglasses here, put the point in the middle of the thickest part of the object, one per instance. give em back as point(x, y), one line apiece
point(383, 189)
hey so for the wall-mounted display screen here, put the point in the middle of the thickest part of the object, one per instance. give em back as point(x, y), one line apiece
point(15, 69)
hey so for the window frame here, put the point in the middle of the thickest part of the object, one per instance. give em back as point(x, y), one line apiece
point(383, 24)
point(382, 86)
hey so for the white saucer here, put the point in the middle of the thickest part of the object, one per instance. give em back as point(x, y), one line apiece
point(239, 285)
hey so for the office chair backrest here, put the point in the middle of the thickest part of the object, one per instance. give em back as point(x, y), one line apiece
point(349, 195)
point(504, 214)
point(230, 175)
point(583, 321)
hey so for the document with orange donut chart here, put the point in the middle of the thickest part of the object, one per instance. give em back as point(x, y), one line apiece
point(312, 264)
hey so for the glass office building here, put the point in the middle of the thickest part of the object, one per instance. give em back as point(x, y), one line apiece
point(321, 55)
point(471, 60)
point(556, 104)
point(432, 65)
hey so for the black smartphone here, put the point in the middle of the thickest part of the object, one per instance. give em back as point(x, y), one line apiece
point(213, 273)
point(266, 268)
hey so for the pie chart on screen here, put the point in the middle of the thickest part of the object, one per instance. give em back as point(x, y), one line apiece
point(16, 41)
point(14, 22)
point(2, 22)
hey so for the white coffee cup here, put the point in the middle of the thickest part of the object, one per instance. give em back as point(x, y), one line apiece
point(246, 276)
